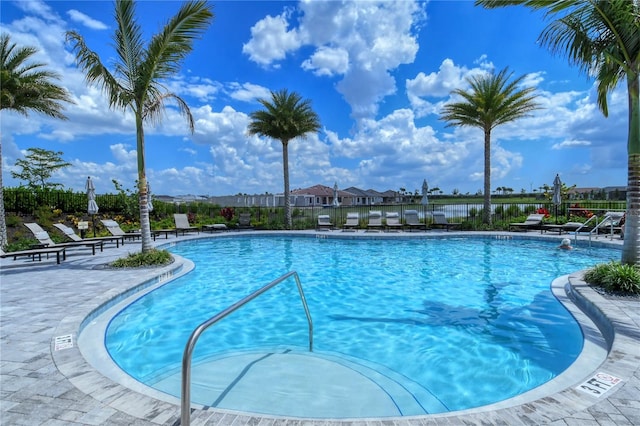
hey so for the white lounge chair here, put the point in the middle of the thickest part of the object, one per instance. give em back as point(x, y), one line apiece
point(412, 221)
point(352, 223)
point(324, 223)
point(36, 252)
point(182, 224)
point(71, 234)
point(440, 221)
point(375, 221)
point(392, 221)
point(46, 242)
point(533, 221)
point(115, 230)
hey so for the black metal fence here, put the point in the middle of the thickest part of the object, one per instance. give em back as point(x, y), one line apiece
point(26, 202)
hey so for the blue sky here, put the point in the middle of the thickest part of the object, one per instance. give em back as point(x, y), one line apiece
point(377, 73)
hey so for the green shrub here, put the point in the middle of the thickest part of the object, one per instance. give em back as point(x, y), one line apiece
point(615, 277)
point(23, 243)
point(13, 221)
point(513, 210)
point(151, 258)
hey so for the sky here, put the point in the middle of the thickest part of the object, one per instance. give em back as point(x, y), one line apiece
point(377, 73)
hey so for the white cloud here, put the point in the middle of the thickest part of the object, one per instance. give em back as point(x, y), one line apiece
point(570, 144)
point(38, 8)
point(437, 84)
point(327, 61)
point(86, 20)
point(248, 92)
point(363, 41)
point(271, 40)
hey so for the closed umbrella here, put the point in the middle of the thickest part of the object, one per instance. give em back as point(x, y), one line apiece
point(557, 196)
point(425, 188)
point(335, 195)
point(92, 207)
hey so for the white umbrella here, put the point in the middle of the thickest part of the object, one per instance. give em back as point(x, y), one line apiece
point(335, 195)
point(92, 207)
point(425, 188)
point(557, 196)
point(149, 204)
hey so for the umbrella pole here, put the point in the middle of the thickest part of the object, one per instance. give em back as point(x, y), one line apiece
point(93, 222)
point(556, 206)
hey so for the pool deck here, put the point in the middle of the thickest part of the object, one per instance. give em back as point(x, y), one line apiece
point(45, 380)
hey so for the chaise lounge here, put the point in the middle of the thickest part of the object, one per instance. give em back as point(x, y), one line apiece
point(375, 221)
point(412, 221)
point(36, 252)
point(115, 230)
point(440, 221)
point(71, 234)
point(392, 221)
point(324, 222)
point(533, 221)
point(46, 242)
point(352, 223)
point(182, 224)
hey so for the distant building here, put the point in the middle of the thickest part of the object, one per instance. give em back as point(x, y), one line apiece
point(321, 195)
point(363, 197)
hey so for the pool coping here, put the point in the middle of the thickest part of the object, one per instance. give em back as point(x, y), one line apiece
point(623, 362)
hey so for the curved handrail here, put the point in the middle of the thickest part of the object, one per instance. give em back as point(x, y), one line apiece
point(594, 217)
point(185, 401)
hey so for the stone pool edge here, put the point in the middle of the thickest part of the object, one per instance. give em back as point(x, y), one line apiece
point(621, 362)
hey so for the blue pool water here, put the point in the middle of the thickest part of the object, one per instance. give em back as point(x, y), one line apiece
point(457, 323)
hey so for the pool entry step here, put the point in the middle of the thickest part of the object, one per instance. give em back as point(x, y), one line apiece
point(302, 384)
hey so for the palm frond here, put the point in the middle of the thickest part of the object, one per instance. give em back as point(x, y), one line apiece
point(28, 87)
point(168, 48)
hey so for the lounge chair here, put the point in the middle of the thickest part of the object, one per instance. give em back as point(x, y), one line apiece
point(533, 221)
point(375, 221)
point(324, 222)
point(37, 252)
point(610, 223)
point(215, 227)
point(183, 225)
point(115, 230)
point(392, 221)
point(46, 242)
point(352, 223)
point(244, 221)
point(412, 221)
point(440, 221)
point(71, 234)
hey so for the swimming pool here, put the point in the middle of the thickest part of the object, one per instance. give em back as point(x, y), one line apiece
point(401, 327)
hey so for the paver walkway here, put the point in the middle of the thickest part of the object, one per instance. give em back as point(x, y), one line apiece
point(42, 383)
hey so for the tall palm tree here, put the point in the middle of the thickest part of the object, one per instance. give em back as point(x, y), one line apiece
point(602, 37)
point(286, 117)
point(491, 101)
point(26, 87)
point(136, 81)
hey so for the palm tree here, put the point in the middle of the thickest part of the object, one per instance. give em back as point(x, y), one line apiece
point(491, 101)
point(286, 117)
point(26, 87)
point(602, 37)
point(136, 81)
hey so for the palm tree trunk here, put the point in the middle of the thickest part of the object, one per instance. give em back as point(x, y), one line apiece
point(486, 214)
point(145, 225)
point(3, 223)
point(287, 201)
point(631, 246)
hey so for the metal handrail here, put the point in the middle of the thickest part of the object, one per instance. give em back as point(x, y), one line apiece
point(185, 402)
point(594, 217)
